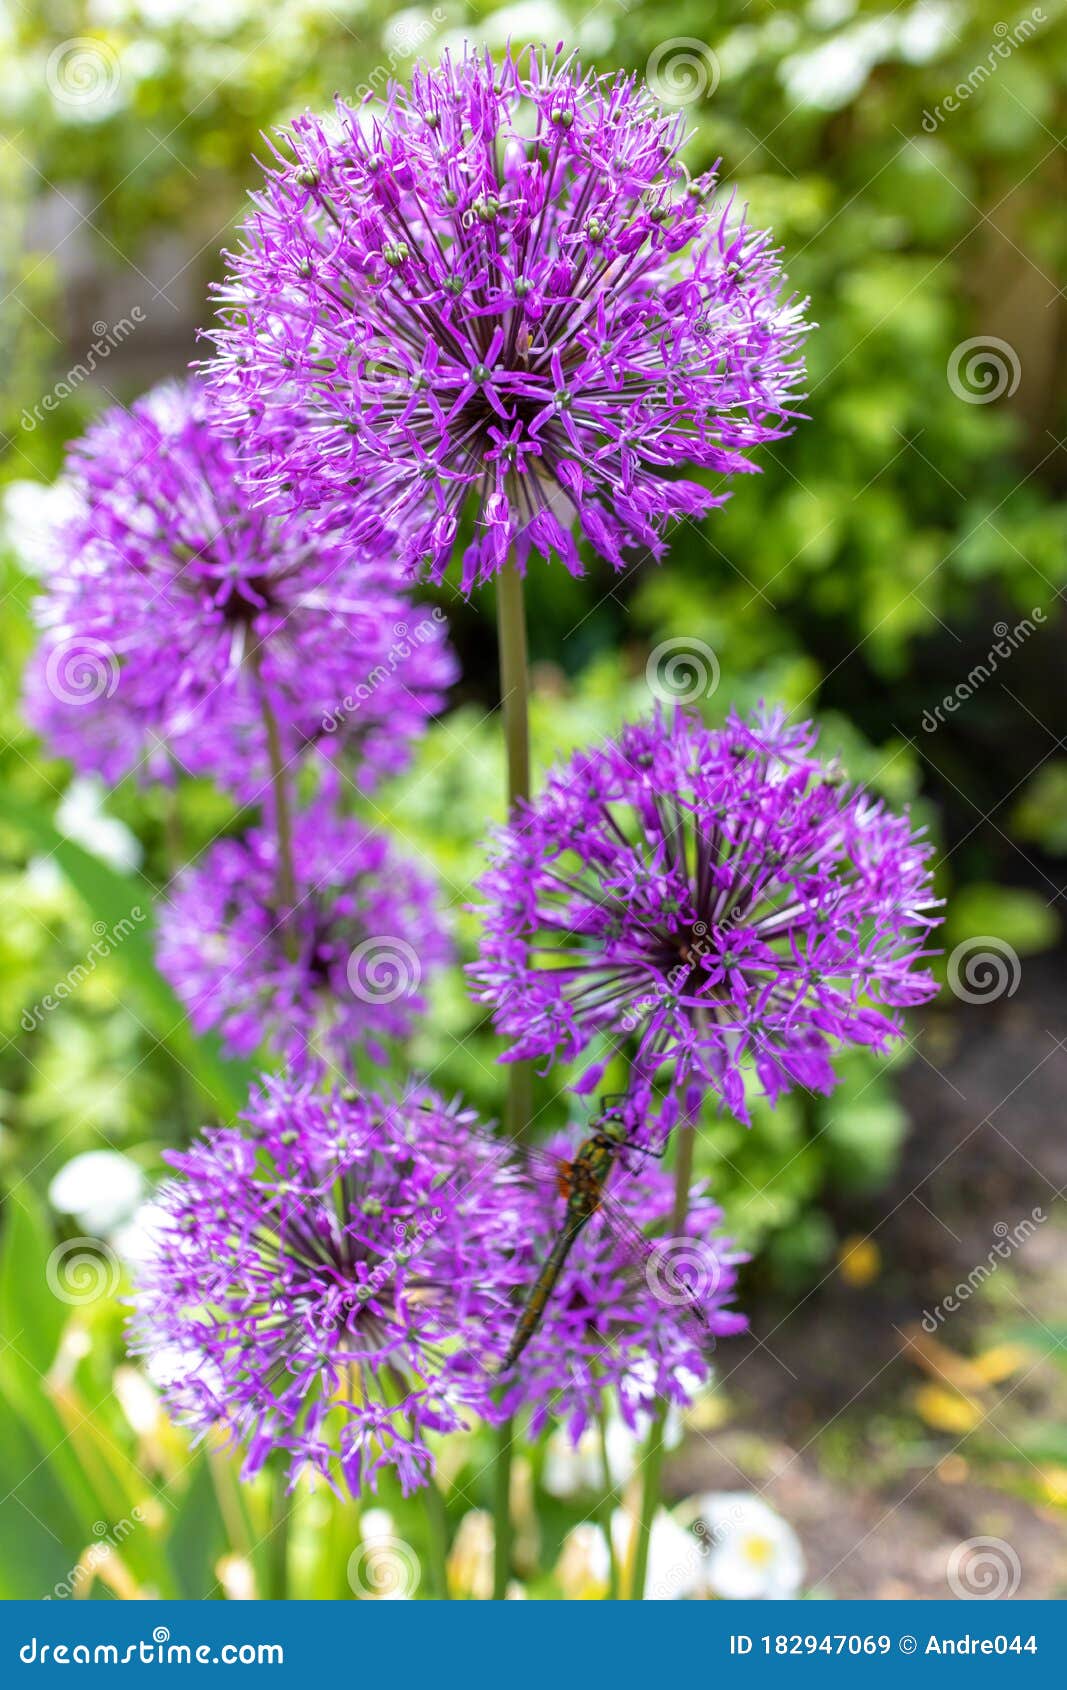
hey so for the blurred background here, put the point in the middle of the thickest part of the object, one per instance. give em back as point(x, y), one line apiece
point(896, 571)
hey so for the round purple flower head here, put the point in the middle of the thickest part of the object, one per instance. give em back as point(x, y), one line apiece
point(615, 1327)
point(719, 898)
point(339, 973)
point(178, 608)
point(319, 1283)
point(501, 290)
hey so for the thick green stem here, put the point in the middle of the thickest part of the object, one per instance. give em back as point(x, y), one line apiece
point(277, 1570)
point(651, 1468)
point(502, 1511)
point(514, 698)
point(683, 1176)
point(514, 679)
point(606, 1508)
point(283, 819)
point(279, 786)
point(437, 1516)
point(652, 1464)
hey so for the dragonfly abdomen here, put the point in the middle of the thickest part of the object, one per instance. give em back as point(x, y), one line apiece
point(543, 1287)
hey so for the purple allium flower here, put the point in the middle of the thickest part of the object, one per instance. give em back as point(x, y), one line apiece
point(719, 897)
point(502, 290)
point(614, 1325)
point(339, 973)
point(176, 603)
point(321, 1283)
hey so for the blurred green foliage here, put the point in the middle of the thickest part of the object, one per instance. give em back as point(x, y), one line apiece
point(859, 577)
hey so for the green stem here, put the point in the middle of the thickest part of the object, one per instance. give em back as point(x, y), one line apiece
point(514, 679)
point(652, 1464)
point(437, 1516)
point(281, 1511)
point(514, 698)
point(605, 1508)
point(502, 1511)
point(651, 1468)
point(683, 1176)
point(283, 818)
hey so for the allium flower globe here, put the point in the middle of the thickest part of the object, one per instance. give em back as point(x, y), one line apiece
point(340, 973)
point(319, 1283)
point(500, 291)
point(175, 604)
point(719, 898)
point(619, 1332)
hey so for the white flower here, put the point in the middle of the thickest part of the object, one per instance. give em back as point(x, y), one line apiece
point(749, 1550)
point(172, 1366)
point(81, 817)
point(30, 513)
point(136, 1239)
point(100, 1188)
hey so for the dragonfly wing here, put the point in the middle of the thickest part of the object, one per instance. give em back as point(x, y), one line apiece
point(679, 1272)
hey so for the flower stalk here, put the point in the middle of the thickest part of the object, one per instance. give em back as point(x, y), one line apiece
point(283, 816)
point(652, 1465)
point(502, 1530)
point(605, 1510)
point(515, 703)
point(277, 1546)
point(437, 1517)
point(652, 1468)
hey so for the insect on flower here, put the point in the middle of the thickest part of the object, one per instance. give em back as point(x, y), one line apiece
point(581, 1184)
point(611, 1309)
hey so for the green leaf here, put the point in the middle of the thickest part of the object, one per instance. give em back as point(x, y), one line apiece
point(32, 1317)
point(1018, 917)
point(124, 903)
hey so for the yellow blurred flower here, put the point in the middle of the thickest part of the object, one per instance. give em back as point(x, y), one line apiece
point(945, 1410)
point(1054, 1486)
point(1001, 1362)
point(584, 1567)
point(859, 1259)
point(470, 1563)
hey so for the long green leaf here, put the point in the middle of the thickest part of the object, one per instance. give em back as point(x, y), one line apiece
point(114, 898)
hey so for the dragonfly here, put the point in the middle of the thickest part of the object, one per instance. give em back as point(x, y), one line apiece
point(581, 1183)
